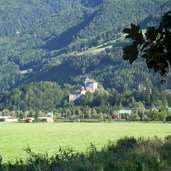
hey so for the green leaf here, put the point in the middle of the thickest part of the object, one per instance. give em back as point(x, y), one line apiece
point(134, 33)
point(126, 30)
point(135, 27)
point(151, 33)
point(130, 53)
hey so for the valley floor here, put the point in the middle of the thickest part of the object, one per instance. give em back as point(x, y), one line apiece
point(48, 137)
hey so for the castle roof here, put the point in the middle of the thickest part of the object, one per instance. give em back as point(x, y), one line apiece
point(90, 81)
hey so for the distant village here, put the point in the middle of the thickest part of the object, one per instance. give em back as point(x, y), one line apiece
point(91, 86)
point(10, 119)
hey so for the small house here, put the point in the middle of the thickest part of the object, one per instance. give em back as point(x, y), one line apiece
point(8, 119)
point(90, 85)
point(45, 119)
point(123, 113)
point(73, 97)
point(29, 120)
point(50, 114)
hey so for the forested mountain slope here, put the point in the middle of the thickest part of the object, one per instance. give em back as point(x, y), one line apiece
point(44, 40)
point(20, 15)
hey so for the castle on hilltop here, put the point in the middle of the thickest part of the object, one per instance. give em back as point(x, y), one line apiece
point(90, 85)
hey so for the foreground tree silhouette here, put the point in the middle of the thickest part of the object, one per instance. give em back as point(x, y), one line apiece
point(154, 45)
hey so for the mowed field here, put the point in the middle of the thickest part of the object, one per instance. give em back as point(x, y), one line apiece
point(48, 137)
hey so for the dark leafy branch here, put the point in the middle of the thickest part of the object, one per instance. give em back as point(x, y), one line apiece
point(154, 45)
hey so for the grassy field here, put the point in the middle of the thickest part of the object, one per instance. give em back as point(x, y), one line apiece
point(45, 137)
point(100, 48)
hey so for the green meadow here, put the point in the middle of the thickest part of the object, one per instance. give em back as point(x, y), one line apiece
point(48, 137)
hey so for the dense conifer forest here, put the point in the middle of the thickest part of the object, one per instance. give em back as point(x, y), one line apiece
point(54, 45)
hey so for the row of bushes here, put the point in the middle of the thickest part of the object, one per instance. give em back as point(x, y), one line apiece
point(127, 154)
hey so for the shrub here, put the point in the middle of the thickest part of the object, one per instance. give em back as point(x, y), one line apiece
point(146, 118)
point(168, 138)
point(134, 117)
point(168, 118)
point(126, 143)
point(2, 168)
point(126, 154)
point(166, 150)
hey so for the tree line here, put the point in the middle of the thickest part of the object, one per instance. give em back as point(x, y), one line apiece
point(36, 99)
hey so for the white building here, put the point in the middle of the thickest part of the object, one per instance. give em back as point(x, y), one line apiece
point(45, 119)
point(73, 97)
point(8, 119)
point(124, 112)
point(83, 90)
point(90, 86)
